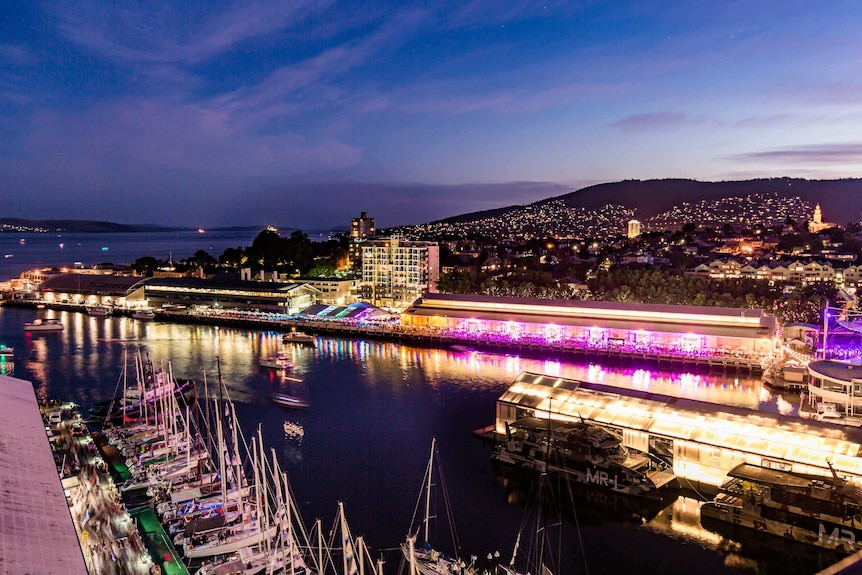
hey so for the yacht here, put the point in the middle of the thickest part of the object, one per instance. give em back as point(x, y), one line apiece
point(6, 352)
point(584, 453)
point(819, 510)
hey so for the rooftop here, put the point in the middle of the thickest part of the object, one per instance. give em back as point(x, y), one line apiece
point(36, 530)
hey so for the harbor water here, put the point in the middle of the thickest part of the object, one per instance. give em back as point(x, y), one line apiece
point(365, 439)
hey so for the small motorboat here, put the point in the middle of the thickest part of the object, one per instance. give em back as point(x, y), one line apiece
point(144, 314)
point(99, 311)
point(40, 324)
point(277, 361)
point(298, 337)
point(288, 400)
point(6, 353)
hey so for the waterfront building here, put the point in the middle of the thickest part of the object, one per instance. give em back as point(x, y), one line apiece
point(395, 272)
point(227, 291)
point(94, 290)
point(673, 329)
point(702, 440)
point(361, 228)
point(634, 229)
point(333, 291)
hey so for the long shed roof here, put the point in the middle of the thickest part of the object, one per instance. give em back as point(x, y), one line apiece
point(36, 530)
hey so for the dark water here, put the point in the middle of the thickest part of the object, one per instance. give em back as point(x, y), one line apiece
point(56, 250)
point(374, 410)
point(53, 249)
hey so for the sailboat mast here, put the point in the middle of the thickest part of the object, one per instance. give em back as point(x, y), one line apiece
point(428, 491)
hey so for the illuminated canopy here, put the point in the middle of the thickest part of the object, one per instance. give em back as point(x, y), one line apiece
point(743, 431)
point(714, 321)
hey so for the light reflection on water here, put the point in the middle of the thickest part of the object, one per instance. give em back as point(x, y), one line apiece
point(374, 408)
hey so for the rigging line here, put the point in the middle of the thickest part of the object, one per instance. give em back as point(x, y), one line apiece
point(693, 488)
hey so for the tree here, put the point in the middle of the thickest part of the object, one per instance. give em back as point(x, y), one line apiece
point(146, 266)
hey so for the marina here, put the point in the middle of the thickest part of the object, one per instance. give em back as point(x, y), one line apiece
point(371, 386)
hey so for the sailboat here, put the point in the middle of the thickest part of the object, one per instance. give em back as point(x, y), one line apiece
point(425, 559)
point(534, 551)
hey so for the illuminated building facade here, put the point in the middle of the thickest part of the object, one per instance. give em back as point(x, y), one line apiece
point(703, 440)
point(634, 229)
point(395, 272)
point(361, 228)
point(838, 383)
point(89, 289)
point(817, 224)
point(230, 293)
point(669, 329)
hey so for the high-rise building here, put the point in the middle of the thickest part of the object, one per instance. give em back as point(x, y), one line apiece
point(361, 228)
point(634, 229)
point(396, 272)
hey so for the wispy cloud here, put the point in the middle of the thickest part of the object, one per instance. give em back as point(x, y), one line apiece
point(485, 12)
point(656, 121)
point(174, 33)
point(813, 153)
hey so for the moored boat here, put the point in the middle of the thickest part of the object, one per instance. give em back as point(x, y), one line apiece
point(585, 453)
point(277, 361)
point(424, 558)
point(298, 337)
point(144, 314)
point(6, 352)
point(98, 310)
point(813, 509)
point(40, 324)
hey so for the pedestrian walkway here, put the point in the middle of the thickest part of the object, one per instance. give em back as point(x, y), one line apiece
point(111, 541)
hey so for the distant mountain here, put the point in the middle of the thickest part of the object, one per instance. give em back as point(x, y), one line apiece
point(841, 200)
point(77, 226)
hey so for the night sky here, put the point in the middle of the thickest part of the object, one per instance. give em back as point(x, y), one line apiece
point(304, 113)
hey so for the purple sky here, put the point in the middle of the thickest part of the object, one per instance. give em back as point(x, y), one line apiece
point(304, 113)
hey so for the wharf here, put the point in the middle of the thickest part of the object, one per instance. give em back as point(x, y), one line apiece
point(429, 337)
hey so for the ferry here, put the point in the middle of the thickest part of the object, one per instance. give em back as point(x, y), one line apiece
point(819, 510)
point(584, 453)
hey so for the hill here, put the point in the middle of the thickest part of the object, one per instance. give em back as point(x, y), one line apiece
point(841, 200)
point(76, 226)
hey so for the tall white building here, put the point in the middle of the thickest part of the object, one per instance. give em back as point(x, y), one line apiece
point(395, 272)
point(634, 229)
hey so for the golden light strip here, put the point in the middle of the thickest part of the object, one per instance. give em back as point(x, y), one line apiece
point(599, 313)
